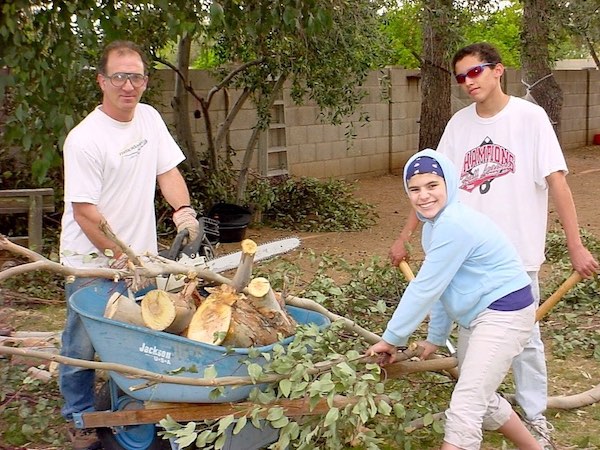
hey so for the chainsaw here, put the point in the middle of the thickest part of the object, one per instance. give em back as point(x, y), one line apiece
point(200, 254)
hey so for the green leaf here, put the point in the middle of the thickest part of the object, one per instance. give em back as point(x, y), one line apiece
point(210, 372)
point(225, 422)
point(220, 442)
point(332, 416)
point(399, 410)
point(188, 428)
point(384, 408)
point(255, 371)
point(280, 423)
point(427, 419)
point(168, 422)
point(285, 386)
point(205, 437)
point(186, 440)
point(241, 423)
point(438, 427)
point(275, 413)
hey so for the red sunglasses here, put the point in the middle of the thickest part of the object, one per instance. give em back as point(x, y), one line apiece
point(473, 72)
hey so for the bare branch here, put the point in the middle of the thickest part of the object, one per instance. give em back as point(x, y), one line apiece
point(105, 228)
point(230, 76)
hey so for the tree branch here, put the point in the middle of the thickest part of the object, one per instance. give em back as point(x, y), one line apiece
point(230, 76)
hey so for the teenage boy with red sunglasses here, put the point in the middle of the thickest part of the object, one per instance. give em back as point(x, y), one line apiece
point(509, 160)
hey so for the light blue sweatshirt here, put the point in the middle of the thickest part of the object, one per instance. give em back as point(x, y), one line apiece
point(469, 264)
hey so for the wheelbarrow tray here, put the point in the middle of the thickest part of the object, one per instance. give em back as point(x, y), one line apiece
point(165, 353)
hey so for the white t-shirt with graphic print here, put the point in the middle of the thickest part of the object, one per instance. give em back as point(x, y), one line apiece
point(503, 162)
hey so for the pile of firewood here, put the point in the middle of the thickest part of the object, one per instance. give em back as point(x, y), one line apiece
point(244, 313)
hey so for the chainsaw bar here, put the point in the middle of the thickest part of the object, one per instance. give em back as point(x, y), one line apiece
point(227, 262)
point(264, 251)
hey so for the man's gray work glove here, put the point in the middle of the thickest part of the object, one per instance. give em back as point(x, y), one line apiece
point(185, 219)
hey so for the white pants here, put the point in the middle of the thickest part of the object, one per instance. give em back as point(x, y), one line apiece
point(485, 353)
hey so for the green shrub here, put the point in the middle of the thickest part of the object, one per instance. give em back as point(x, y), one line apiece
point(309, 204)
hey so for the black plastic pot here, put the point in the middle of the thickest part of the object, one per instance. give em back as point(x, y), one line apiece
point(233, 221)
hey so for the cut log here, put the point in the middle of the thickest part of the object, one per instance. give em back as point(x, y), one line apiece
point(158, 310)
point(211, 320)
point(228, 318)
point(124, 309)
point(258, 320)
point(261, 295)
point(244, 271)
point(168, 312)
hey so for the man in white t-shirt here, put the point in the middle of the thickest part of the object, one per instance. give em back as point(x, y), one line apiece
point(113, 160)
point(509, 160)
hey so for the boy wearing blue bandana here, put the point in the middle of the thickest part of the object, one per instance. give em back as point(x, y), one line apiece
point(473, 276)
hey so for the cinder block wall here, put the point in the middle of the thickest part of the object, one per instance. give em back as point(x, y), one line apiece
point(383, 143)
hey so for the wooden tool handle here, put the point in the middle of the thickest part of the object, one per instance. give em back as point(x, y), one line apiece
point(406, 270)
point(573, 279)
point(567, 285)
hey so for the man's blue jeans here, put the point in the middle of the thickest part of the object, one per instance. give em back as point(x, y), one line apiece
point(77, 383)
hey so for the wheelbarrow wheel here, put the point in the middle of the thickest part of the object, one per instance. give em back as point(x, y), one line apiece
point(131, 437)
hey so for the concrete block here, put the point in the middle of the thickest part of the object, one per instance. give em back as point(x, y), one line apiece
point(383, 144)
point(363, 164)
point(333, 168)
point(307, 153)
point(324, 142)
point(332, 133)
point(379, 163)
point(339, 149)
point(316, 170)
point(324, 151)
point(244, 120)
point(308, 115)
point(347, 167)
point(316, 134)
point(375, 128)
point(297, 135)
point(239, 138)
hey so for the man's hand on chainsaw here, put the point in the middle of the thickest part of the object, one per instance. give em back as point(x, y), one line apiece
point(136, 282)
point(185, 219)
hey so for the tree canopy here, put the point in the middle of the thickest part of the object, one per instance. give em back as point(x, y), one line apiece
point(50, 48)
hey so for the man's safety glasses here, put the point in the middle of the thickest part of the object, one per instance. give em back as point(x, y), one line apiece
point(120, 78)
point(473, 72)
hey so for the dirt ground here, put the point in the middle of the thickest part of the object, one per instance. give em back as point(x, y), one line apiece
point(386, 193)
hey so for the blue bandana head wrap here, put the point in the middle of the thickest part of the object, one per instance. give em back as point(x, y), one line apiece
point(423, 164)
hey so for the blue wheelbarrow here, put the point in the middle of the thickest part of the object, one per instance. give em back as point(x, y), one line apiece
point(162, 353)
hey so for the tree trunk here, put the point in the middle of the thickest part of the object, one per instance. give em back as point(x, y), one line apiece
point(535, 58)
point(243, 177)
point(179, 103)
point(592, 50)
point(435, 73)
